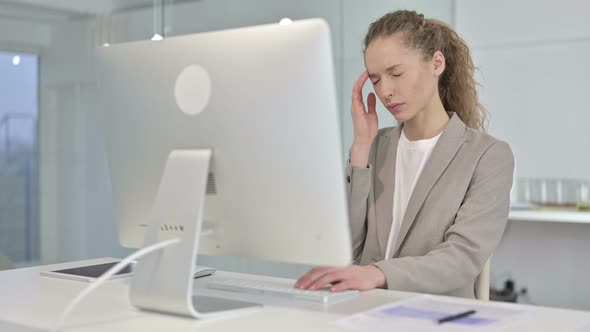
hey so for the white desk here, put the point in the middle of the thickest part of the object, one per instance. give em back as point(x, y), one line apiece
point(30, 302)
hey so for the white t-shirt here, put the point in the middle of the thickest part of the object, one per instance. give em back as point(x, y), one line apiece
point(411, 156)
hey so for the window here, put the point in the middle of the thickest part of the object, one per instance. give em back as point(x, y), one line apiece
point(19, 104)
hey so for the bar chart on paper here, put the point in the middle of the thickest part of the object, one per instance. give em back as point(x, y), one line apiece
point(422, 313)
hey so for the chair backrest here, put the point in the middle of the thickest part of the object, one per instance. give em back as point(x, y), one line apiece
point(5, 263)
point(482, 283)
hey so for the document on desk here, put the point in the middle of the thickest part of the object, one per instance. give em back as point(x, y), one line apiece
point(422, 313)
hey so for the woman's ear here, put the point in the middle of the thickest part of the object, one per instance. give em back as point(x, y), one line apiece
point(438, 62)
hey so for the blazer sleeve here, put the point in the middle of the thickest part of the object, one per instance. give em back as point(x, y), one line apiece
point(470, 241)
point(359, 183)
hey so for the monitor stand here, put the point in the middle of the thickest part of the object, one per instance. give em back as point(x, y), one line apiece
point(163, 280)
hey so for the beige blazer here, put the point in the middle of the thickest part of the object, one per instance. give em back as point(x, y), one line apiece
point(455, 216)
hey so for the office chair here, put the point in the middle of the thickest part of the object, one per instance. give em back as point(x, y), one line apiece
point(5, 263)
point(482, 283)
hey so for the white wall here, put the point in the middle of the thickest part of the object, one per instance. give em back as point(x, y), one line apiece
point(18, 32)
point(535, 76)
point(534, 72)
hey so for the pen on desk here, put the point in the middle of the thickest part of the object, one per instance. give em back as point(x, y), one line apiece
point(451, 318)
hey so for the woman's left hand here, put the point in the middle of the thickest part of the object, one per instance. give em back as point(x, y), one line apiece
point(352, 277)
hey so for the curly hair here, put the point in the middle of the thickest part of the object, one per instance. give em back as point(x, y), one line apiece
point(456, 86)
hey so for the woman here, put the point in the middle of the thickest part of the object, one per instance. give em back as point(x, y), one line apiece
point(428, 199)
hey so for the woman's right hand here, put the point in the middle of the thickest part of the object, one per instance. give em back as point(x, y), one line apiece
point(365, 123)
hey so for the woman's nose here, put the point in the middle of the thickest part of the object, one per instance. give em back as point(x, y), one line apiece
point(388, 90)
point(387, 95)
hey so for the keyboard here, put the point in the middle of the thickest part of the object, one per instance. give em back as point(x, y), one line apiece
point(282, 290)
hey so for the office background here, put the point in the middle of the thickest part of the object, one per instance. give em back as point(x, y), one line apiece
point(533, 72)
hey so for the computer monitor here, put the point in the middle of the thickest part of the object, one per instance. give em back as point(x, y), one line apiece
point(263, 99)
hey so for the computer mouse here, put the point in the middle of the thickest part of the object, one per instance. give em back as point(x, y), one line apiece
point(202, 271)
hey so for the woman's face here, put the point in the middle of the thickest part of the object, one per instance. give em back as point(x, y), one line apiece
point(404, 82)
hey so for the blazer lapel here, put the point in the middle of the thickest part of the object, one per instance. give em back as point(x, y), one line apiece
point(384, 184)
point(444, 151)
